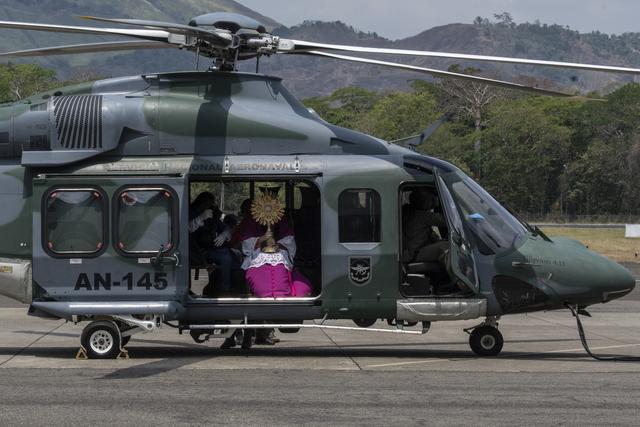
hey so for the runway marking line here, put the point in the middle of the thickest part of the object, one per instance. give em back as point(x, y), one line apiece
point(417, 362)
point(383, 365)
point(555, 323)
point(571, 350)
point(45, 334)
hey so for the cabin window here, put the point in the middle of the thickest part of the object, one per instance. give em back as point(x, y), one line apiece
point(74, 222)
point(145, 220)
point(359, 216)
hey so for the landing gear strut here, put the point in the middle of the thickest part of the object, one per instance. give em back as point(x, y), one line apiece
point(485, 339)
point(107, 337)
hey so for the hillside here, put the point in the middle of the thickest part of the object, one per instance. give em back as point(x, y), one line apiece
point(310, 76)
point(536, 41)
point(67, 12)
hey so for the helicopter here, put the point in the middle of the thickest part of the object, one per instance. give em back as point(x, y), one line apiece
point(97, 179)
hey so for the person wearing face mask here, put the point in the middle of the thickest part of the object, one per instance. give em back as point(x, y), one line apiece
point(211, 236)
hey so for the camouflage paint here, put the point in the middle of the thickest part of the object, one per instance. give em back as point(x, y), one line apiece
point(163, 129)
point(15, 211)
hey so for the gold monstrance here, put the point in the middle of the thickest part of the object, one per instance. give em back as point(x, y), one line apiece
point(267, 211)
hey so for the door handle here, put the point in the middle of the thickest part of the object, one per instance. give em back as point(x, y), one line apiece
point(175, 258)
point(159, 260)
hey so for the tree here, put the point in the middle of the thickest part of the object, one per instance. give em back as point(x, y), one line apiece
point(468, 100)
point(345, 107)
point(19, 81)
point(399, 114)
point(596, 181)
point(525, 150)
point(505, 19)
point(454, 143)
point(603, 176)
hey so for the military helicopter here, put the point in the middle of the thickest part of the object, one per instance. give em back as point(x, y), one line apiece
point(96, 182)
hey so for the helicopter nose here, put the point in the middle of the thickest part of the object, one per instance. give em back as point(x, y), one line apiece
point(616, 282)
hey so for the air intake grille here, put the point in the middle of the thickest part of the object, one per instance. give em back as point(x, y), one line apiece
point(79, 121)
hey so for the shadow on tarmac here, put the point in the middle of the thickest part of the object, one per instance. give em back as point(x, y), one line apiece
point(177, 357)
point(146, 341)
point(151, 369)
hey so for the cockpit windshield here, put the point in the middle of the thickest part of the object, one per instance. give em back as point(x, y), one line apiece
point(491, 224)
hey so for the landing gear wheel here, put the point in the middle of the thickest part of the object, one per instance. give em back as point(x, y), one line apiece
point(101, 340)
point(365, 323)
point(486, 341)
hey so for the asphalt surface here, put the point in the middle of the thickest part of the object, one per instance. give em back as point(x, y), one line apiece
point(542, 377)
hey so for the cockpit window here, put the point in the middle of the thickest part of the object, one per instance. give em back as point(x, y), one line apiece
point(489, 222)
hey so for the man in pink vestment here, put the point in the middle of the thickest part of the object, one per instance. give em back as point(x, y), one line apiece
point(271, 275)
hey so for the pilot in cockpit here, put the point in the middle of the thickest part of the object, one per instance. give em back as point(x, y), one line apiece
point(421, 241)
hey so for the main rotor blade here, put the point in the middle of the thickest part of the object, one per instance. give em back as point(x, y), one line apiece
point(155, 35)
point(220, 37)
point(296, 46)
point(87, 48)
point(440, 73)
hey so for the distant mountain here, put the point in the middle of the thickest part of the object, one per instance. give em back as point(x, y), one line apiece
point(312, 76)
point(68, 11)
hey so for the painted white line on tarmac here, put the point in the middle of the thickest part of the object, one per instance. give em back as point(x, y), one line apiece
point(596, 348)
point(384, 365)
point(572, 350)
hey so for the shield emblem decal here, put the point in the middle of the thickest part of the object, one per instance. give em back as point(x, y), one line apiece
point(360, 270)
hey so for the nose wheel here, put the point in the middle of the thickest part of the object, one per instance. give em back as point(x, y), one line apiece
point(485, 339)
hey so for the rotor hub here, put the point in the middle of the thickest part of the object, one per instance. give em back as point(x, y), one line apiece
point(231, 22)
point(248, 39)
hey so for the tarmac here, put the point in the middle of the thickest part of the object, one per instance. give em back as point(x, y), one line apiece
point(543, 375)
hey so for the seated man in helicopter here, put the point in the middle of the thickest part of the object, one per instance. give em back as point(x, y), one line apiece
point(420, 240)
point(209, 237)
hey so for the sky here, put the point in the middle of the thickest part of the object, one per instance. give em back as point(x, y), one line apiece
point(396, 19)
